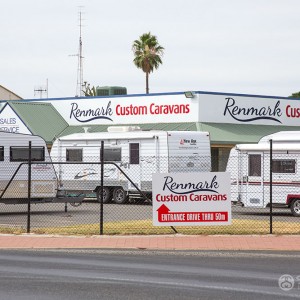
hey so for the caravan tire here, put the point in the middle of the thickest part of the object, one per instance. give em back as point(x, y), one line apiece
point(107, 197)
point(295, 207)
point(120, 196)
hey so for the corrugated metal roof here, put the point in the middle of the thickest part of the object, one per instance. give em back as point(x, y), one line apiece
point(240, 133)
point(41, 118)
point(48, 123)
point(158, 126)
point(219, 133)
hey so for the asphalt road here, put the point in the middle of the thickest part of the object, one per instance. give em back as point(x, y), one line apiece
point(112, 274)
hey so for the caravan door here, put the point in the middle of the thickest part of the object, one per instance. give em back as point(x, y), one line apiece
point(134, 166)
point(252, 187)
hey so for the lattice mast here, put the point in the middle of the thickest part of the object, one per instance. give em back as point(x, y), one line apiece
point(79, 83)
point(80, 61)
point(41, 90)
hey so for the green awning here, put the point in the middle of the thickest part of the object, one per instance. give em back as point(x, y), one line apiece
point(157, 126)
point(41, 118)
point(219, 133)
point(240, 133)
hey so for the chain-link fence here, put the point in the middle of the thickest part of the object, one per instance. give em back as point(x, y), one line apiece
point(65, 197)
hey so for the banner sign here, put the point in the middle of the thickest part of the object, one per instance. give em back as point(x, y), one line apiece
point(162, 108)
point(249, 110)
point(191, 199)
point(10, 121)
point(204, 107)
point(128, 110)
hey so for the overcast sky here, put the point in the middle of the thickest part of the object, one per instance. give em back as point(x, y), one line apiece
point(234, 46)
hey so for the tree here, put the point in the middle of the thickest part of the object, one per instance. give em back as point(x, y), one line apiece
point(89, 91)
point(148, 53)
point(295, 95)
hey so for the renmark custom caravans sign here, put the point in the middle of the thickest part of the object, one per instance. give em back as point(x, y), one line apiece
point(128, 110)
point(175, 107)
point(203, 107)
point(191, 199)
point(249, 110)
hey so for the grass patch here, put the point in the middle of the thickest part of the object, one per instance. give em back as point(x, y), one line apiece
point(12, 230)
point(145, 227)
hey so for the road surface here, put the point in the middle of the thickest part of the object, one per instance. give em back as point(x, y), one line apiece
point(139, 274)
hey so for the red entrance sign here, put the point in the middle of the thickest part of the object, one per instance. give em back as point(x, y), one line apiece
point(164, 215)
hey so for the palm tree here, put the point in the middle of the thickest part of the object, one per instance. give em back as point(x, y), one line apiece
point(147, 54)
point(89, 91)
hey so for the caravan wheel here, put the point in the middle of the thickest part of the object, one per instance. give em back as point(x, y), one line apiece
point(120, 196)
point(295, 207)
point(106, 195)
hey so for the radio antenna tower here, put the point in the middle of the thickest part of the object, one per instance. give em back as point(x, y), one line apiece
point(41, 89)
point(79, 84)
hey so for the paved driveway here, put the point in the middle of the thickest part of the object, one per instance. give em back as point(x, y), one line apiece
point(54, 214)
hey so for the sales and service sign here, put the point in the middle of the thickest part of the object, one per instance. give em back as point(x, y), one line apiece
point(11, 122)
point(191, 199)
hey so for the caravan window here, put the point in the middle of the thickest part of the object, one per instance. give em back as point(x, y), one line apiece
point(284, 165)
point(1, 153)
point(254, 165)
point(134, 153)
point(73, 154)
point(112, 154)
point(22, 153)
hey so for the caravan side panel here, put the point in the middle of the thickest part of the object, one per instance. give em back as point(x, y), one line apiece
point(233, 167)
point(142, 154)
point(84, 174)
point(153, 159)
point(189, 151)
point(43, 176)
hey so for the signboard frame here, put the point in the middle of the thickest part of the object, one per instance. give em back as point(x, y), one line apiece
point(191, 199)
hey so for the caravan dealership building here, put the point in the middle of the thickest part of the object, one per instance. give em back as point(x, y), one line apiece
point(229, 118)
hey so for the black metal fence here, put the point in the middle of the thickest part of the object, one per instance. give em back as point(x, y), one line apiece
point(104, 197)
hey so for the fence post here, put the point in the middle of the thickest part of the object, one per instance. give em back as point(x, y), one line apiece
point(29, 188)
point(271, 186)
point(101, 186)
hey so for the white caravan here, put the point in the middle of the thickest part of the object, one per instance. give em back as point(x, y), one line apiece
point(138, 153)
point(249, 165)
point(14, 153)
